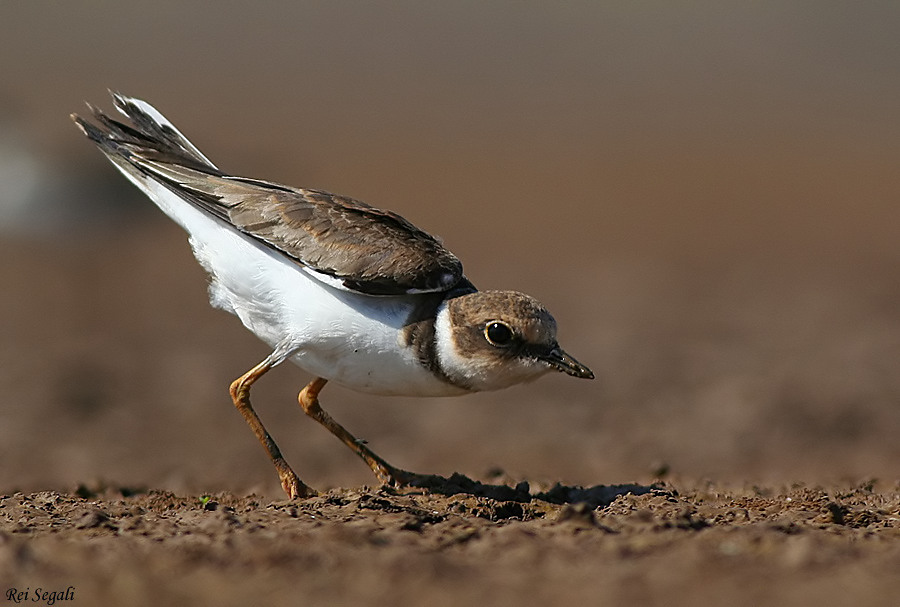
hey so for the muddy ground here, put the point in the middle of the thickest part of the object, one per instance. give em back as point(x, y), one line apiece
point(460, 542)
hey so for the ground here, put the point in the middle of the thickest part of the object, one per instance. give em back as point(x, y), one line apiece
point(458, 542)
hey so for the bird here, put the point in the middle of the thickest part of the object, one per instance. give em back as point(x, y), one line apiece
point(350, 293)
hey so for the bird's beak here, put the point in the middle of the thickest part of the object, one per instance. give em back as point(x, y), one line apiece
point(561, 361)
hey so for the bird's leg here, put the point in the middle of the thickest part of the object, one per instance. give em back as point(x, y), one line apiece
point(386, 473)
point(240, 394)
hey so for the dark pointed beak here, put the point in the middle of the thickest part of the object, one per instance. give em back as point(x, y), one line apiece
point(561, 361)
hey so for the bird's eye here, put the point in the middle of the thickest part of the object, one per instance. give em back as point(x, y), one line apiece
point(498, 333)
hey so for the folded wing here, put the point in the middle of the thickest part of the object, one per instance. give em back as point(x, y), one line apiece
point(351, 244)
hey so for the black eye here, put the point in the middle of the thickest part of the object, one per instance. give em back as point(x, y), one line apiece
point(498, 333)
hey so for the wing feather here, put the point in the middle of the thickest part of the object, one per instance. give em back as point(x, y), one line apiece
point(368, 250)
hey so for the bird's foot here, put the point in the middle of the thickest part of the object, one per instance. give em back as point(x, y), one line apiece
point(291, 483)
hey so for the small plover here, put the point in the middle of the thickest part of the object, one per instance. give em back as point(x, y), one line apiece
point(350, 293)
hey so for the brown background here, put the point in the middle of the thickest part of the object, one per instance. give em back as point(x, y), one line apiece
point(705, 195)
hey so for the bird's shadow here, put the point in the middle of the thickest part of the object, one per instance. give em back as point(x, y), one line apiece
point(597, 496)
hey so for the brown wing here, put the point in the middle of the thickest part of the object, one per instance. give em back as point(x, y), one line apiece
point(369, 250)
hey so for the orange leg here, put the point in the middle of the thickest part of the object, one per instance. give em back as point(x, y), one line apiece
point(240, 394)
point(386, 473)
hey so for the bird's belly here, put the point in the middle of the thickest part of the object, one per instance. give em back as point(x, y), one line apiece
point(372, 370)
point(363, 351)
point(348, 338)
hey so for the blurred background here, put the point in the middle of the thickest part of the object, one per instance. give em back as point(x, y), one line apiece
point(705, 194)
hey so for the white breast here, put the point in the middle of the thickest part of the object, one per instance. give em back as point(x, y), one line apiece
point(345, 337)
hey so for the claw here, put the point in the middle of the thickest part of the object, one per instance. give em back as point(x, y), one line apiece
point(292, 485)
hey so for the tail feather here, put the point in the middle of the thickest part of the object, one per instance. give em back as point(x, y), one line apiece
point(150, 122)
point(150, 135)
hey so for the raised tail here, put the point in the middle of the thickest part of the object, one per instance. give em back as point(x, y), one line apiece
point(158, 159)
point(150, 136)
